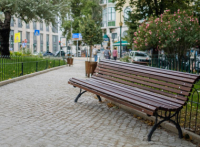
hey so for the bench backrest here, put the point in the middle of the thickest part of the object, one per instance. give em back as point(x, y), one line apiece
point(165, 83)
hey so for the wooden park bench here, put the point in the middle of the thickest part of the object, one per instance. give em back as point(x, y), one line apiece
point(143, 88)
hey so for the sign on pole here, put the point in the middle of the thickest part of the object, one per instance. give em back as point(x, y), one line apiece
point(17, 37)
point(76, 36)
point(37, 33)
point(63, 42)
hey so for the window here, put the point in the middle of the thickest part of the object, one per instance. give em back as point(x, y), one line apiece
point(47, 41)
point(34, 43)
point(41, 26)
point(11, 39)
point(55, 29)
point(55, 43)
point(27, 25)
point(12, 22)
point(111, 14)
point(104, 22)
point(19, 23)
point(114, 35)
point(126, 13)
point(34, 25)
point(41, 42)
point(28, 39)
point(19, 44)
point(47, 28)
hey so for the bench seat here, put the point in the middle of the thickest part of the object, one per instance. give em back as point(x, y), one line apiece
point(143, 88)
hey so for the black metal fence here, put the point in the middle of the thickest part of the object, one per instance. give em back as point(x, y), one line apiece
point(189, 117)
point(15, 66)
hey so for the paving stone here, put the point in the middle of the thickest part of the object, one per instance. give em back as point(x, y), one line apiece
point(40, 112)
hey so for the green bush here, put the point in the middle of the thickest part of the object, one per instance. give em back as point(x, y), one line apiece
point(125, 59)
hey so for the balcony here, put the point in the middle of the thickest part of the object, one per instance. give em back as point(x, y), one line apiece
point(111, 23)
point(102, 2)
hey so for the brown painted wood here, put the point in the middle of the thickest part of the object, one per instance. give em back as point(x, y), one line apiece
point(154, 69)
point(148, 84)
point(95, 89)
point(152, 95)
point(162, 103)
point(144, 79)
point(148, 75)
point(147, 111)
point(143, 87)
point(150, 72)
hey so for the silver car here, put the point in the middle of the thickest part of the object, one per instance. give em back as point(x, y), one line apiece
point(139, 56)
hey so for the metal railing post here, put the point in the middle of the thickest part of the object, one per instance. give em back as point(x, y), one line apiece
point(46, 64)
point(36, 66)
point(22, 69)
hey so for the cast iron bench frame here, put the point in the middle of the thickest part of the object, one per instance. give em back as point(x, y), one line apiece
point(87, 85)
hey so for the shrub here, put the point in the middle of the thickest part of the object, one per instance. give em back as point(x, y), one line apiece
point(173, 33)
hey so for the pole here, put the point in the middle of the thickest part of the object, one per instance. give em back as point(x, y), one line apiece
point(77, 49)
point(120, 24)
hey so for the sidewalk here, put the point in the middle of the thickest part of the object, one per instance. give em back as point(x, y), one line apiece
point(40, 112)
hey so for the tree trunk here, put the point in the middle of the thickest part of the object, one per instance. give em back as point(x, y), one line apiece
point(4, 35)
point(90, 53)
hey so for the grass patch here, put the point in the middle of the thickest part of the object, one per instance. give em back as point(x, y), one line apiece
point(17, 66)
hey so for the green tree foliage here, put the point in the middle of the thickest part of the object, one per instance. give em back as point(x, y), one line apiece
point(173, 33)
point(80, 9)
point(27, 10)
point(91, 32)
point(143, 9)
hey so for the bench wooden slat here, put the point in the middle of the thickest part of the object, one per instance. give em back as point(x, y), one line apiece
point(143, 79)
point(151, 73)
point(156, 99)
point(137, 90)
point(146, 100)
point(147, 111)
point(114, 95)
point(148, 84)
point(142, 87)
point(148, 75)
point(154, 69)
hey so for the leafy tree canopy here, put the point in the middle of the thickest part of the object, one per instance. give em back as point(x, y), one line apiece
point(143, 9)
point(80, 9)
point(174, 33)
point(91, 32)
point(28, 10)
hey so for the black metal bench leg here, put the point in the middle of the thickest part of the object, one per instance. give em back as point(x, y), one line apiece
point(166, 119)
point(79, 95)
point(99, 98)
point(177, 126)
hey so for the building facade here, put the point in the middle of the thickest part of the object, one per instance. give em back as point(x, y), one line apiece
point(111, 22)
point(48, 40)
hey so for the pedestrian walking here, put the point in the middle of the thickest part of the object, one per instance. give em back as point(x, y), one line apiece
point(115, 54)
point(95, 53)
point(107, 53)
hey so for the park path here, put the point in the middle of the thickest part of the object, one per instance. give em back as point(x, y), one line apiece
point(40, 112)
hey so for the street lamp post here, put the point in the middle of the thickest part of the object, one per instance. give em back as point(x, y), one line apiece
point(120, 24)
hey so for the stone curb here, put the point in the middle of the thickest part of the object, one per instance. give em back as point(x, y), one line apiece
point(165, 125)
point(29, 75)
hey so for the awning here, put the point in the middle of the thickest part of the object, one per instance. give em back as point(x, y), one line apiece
point(123, 43)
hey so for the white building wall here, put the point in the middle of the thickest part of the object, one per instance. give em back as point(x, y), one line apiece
point(31, 30)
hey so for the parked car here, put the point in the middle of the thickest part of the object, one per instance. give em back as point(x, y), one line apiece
point(48, 53)
point(139, 56)
point(58, 53)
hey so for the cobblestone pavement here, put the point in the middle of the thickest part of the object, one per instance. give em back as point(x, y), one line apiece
point(40, 112)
